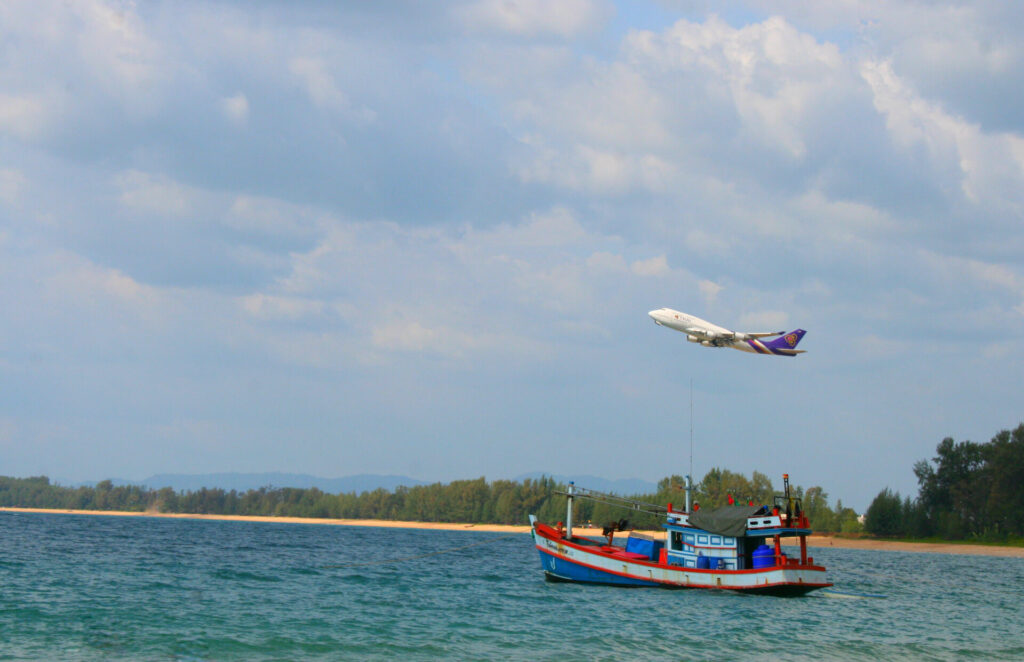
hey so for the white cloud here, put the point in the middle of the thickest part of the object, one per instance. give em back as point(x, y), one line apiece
point(974, 273)
point(412, 337)
point(114, 38)
point(270, 307)
point(837, 220)
point(270, 216)
point(549, 229)
point(324, 92)
point(12, 183)
point(675, 101)
point(152, 193)
point(600, 171)
point(553, 228)
point(654, 266)
point(94, 290)
point(764, 320)
point(24, 116)
point(99, 48)
point(603, 261)
point(235, 108)
point(529, 18)
point(706, 241)
point(991, 166)
point(773, 74)
point(709, 290)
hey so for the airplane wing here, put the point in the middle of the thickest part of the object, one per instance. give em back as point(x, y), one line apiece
point(708, 334)
point(725, 334)
point(765, 334)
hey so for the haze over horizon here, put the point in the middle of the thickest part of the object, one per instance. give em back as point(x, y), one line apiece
point(422, 239)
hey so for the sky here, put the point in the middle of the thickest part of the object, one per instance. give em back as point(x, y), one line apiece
point(423, 238)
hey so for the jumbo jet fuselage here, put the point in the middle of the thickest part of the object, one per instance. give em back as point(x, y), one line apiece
point(707, 334)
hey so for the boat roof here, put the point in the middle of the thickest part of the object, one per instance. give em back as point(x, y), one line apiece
point(724, 520)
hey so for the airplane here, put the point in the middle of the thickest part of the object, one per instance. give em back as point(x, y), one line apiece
point(711, 335)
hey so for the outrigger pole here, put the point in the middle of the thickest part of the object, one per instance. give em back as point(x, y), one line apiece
point(611, 499)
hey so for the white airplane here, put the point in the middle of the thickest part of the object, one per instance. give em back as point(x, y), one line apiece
point(711, 335)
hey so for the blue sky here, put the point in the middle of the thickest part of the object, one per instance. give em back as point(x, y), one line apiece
point(422, 238)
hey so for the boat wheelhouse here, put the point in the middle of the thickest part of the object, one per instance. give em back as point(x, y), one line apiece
point(733, 547)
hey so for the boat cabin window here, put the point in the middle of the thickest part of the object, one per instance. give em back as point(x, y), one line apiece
point(676, 543)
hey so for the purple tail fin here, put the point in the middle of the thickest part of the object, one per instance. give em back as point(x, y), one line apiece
point(786, 343)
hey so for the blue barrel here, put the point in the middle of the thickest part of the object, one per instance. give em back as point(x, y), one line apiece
point(703, 562)
point(764, 557)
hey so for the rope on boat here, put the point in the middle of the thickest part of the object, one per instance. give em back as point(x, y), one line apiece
point(420, 556)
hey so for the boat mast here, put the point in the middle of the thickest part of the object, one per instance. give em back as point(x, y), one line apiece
point(689, 481)
point(568, 514)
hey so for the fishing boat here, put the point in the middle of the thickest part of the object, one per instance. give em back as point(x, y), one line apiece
point(734, 547)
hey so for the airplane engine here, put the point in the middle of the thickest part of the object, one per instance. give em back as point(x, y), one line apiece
point(692, 338)
point(707, 343)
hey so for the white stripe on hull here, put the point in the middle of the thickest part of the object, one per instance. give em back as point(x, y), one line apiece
point(685, 577)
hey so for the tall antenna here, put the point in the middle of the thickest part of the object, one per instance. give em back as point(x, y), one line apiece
point(691, 426)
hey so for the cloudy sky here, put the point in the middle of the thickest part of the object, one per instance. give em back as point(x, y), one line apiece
point(422, 238)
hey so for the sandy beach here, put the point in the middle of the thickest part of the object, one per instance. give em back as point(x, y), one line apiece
point(812, 541)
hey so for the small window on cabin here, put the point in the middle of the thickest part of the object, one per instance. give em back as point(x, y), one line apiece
point(677, 541)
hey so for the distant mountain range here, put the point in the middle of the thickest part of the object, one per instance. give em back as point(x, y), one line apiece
point(360, 483)
point(243, 482)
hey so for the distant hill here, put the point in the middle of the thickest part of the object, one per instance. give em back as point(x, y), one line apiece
point(622, 486)
point(243, 482)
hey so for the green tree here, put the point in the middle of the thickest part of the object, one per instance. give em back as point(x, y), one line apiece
point(1005, 474)
point(885, 515)
point(815, 503)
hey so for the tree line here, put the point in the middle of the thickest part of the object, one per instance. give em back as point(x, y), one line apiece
point(467, 501)
point(714, 490)
point(967, 491)
point(470, 501)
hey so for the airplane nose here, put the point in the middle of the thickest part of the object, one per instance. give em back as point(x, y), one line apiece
point(653, 315)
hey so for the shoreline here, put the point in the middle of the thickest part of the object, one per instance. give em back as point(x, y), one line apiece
point(812, 541)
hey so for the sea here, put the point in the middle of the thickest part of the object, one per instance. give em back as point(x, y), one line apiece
point(81, 587)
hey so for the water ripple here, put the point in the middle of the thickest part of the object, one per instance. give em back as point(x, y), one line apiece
point(101, 588)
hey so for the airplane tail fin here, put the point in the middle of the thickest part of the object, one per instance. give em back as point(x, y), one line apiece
point(786, 343)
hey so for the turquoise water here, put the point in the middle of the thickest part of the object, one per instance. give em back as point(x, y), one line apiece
point(111, 588)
